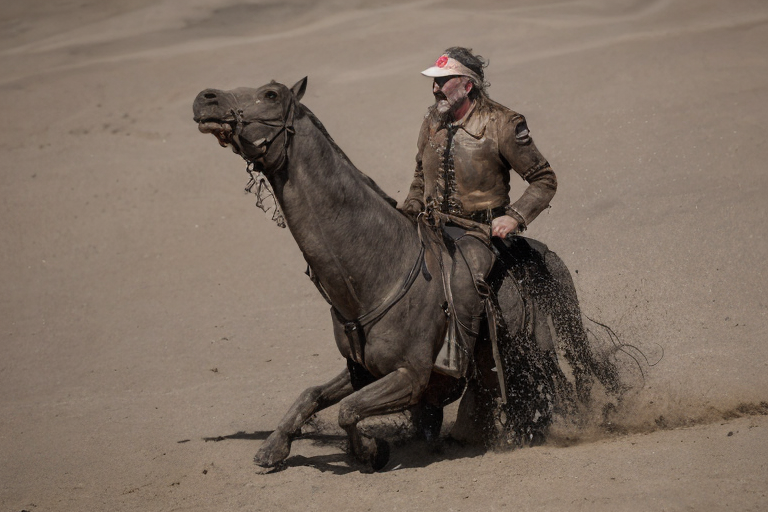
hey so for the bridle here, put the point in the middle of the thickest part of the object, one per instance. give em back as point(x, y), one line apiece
point(258, 179)
point(283, 124)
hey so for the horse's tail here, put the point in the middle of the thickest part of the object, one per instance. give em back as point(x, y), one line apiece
point(548, 363)
point(561, 302)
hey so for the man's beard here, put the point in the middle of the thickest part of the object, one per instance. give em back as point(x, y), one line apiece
point(444, 108)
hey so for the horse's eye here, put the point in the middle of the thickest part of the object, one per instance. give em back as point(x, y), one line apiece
point(270, 95)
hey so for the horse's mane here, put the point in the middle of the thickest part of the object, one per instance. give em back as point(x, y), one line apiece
point(367, 179)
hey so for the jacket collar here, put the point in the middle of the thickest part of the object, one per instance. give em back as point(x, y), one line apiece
point(474, 122)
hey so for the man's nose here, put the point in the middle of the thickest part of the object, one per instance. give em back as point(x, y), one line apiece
point(435, 86)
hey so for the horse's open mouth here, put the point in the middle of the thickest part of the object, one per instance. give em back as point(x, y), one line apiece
point(221, 130)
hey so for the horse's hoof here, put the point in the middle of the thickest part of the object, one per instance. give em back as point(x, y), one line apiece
point(381, 457)
point(263, 463)
point(266, 470)
point(274, 450)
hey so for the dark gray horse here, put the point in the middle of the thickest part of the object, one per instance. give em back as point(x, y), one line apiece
point(388, 298)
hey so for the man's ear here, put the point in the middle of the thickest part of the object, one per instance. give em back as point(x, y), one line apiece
point(299, 88)
point(469, 86)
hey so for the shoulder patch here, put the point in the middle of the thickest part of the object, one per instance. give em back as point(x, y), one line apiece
point(522, 134)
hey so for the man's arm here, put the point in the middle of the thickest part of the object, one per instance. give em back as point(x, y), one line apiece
point(518, 149)
point(414, 202)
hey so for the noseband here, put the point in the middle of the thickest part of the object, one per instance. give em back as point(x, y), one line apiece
point(283, 125)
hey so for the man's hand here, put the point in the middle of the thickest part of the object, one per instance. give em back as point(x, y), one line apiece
point(411, 209)
point(504, 225)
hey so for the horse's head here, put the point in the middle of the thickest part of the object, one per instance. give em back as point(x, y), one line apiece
point(249, 119)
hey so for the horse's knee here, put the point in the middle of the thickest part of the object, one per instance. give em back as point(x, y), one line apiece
point(348, 415)
point(310, 397)
point(396, 391)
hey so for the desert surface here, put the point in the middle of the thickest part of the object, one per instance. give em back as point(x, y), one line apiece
point(156, 325)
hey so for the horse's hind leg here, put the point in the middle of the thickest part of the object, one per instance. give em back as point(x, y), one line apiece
point(475, 419)
point(427, 416)
point(278, 445)
point(392, 393)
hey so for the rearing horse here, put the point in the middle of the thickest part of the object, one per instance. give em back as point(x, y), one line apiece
point(387, 296)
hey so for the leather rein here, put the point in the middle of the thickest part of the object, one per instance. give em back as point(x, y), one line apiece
point(354, 328)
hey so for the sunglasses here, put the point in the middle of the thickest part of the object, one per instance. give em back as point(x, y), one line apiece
point(442, 80)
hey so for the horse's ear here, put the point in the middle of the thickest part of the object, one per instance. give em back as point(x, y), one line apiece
point(299, 88)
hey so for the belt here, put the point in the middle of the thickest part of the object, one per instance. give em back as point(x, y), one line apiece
point(486, 216)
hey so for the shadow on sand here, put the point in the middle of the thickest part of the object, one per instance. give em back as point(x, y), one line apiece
point(405, 453)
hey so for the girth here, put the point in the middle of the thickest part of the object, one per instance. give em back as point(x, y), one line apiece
point(355, 328)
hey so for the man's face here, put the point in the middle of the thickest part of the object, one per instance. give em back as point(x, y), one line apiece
point(450, 92)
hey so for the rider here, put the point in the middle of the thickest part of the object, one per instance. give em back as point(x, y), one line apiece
point(467, 146)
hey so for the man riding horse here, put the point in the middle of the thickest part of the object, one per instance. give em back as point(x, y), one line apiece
point(391, 282)
point(467, 146)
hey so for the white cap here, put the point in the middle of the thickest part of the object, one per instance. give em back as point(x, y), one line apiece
point(448, 66)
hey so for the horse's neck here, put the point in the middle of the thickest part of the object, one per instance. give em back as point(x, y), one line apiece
point(358, 245)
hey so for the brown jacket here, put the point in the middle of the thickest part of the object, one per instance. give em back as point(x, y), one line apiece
point(463, 169)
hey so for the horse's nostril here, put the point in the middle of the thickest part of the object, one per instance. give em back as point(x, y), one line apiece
point(209, 95)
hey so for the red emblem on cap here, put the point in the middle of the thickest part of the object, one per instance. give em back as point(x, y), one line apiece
point(442, 61)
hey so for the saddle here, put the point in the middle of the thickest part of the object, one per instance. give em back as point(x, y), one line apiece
point(468, 308)
point(461, 331)
point(507, 307)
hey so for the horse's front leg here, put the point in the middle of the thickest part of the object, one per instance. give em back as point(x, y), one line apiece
point(392, 393)
point(278, 445)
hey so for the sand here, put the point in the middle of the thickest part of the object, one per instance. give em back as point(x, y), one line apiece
point(148, 307)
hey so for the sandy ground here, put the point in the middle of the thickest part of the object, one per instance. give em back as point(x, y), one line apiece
point(148, 307)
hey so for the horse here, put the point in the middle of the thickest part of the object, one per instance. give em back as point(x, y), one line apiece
point(384, 279)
